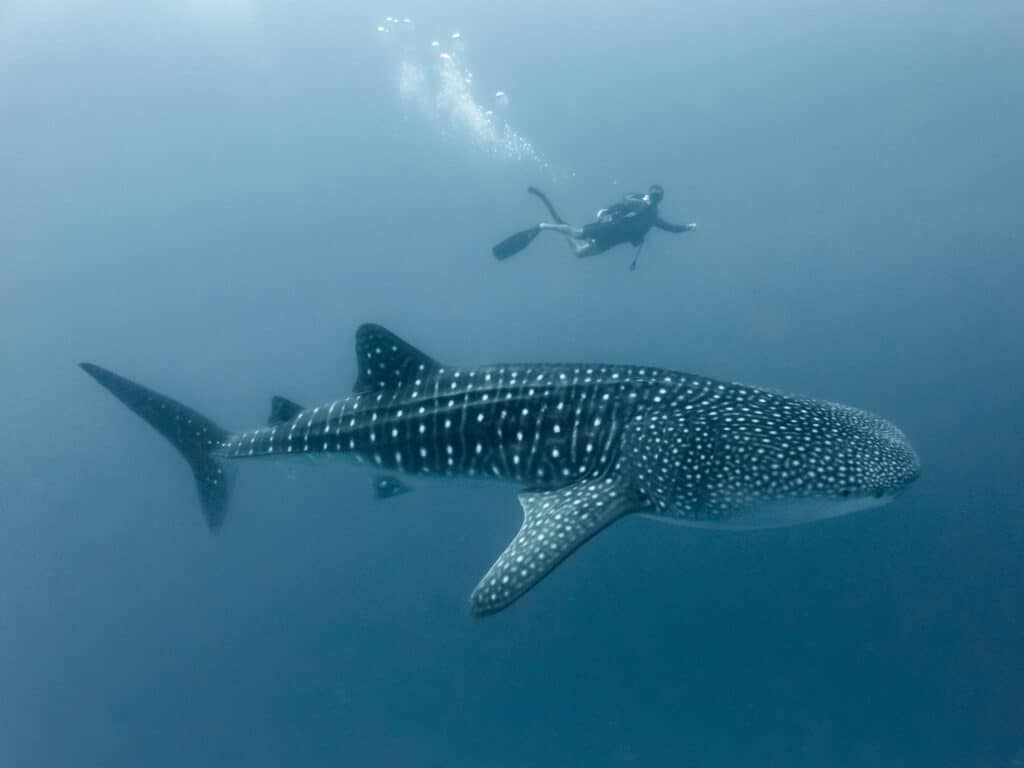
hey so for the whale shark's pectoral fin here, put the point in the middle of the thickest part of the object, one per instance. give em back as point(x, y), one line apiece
point(554, 524)
point(386, 361)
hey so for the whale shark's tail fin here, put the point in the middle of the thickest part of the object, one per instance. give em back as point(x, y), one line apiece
point(196, 437)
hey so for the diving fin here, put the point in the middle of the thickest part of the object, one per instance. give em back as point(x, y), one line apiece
point(547, 204)
point(510, 246)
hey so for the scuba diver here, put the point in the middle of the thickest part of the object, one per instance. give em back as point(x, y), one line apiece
point(628, 221)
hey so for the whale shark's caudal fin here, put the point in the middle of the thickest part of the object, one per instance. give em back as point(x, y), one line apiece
point(555, 523)
point(195, 437)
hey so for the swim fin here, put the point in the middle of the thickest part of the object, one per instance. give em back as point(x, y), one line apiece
point(510, 246)
point(547, 204)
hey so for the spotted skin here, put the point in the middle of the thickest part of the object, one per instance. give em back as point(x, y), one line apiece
point(554, 524)
point(725, 455)
point(591, 443)
point(543, 425)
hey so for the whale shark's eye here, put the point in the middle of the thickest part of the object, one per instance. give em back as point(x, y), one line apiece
point(845, 492)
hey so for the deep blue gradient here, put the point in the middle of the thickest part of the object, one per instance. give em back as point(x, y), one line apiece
point(210, 197)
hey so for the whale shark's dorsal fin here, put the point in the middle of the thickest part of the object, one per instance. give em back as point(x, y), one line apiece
point(387, 362)
point(282, 410)
point(555, 523)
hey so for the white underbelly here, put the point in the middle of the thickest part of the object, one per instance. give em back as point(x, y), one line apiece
point(781, 513)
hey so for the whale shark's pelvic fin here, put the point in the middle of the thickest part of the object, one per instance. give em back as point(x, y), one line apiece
point(386, 361)
point(282, 410)
point(555, 523)
point(388, 486)
point(195, 437)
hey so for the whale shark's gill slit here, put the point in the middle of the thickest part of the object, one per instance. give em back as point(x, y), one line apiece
point(530, 471)
point(464, 454)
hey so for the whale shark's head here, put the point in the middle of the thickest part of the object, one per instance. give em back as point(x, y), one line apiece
point(846, 461)
point(756, 459)
point(875, 458)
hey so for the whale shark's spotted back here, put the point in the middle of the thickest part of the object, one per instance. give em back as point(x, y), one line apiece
point(590, 444)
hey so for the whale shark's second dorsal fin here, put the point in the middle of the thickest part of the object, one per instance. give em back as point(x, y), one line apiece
point(282, 410)
point(387, 362)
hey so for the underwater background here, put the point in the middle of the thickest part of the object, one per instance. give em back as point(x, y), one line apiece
point(209, 198)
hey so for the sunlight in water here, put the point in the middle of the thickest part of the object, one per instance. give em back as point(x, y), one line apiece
point(434, 78)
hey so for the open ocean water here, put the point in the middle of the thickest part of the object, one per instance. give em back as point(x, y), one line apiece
point(210, 196)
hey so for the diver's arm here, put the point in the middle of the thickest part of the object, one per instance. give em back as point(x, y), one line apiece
point(660, 223)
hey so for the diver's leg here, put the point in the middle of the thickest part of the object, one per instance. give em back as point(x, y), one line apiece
point(573, 237)
point(562, 229)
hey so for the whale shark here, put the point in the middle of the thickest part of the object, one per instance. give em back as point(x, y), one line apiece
point(587, 444)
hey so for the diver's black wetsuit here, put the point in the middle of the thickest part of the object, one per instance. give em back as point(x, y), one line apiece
point(625, 222)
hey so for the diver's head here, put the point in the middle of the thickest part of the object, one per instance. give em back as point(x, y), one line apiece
point(654, 194)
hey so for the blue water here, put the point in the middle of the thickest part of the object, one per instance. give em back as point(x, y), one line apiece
point(209, 197)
